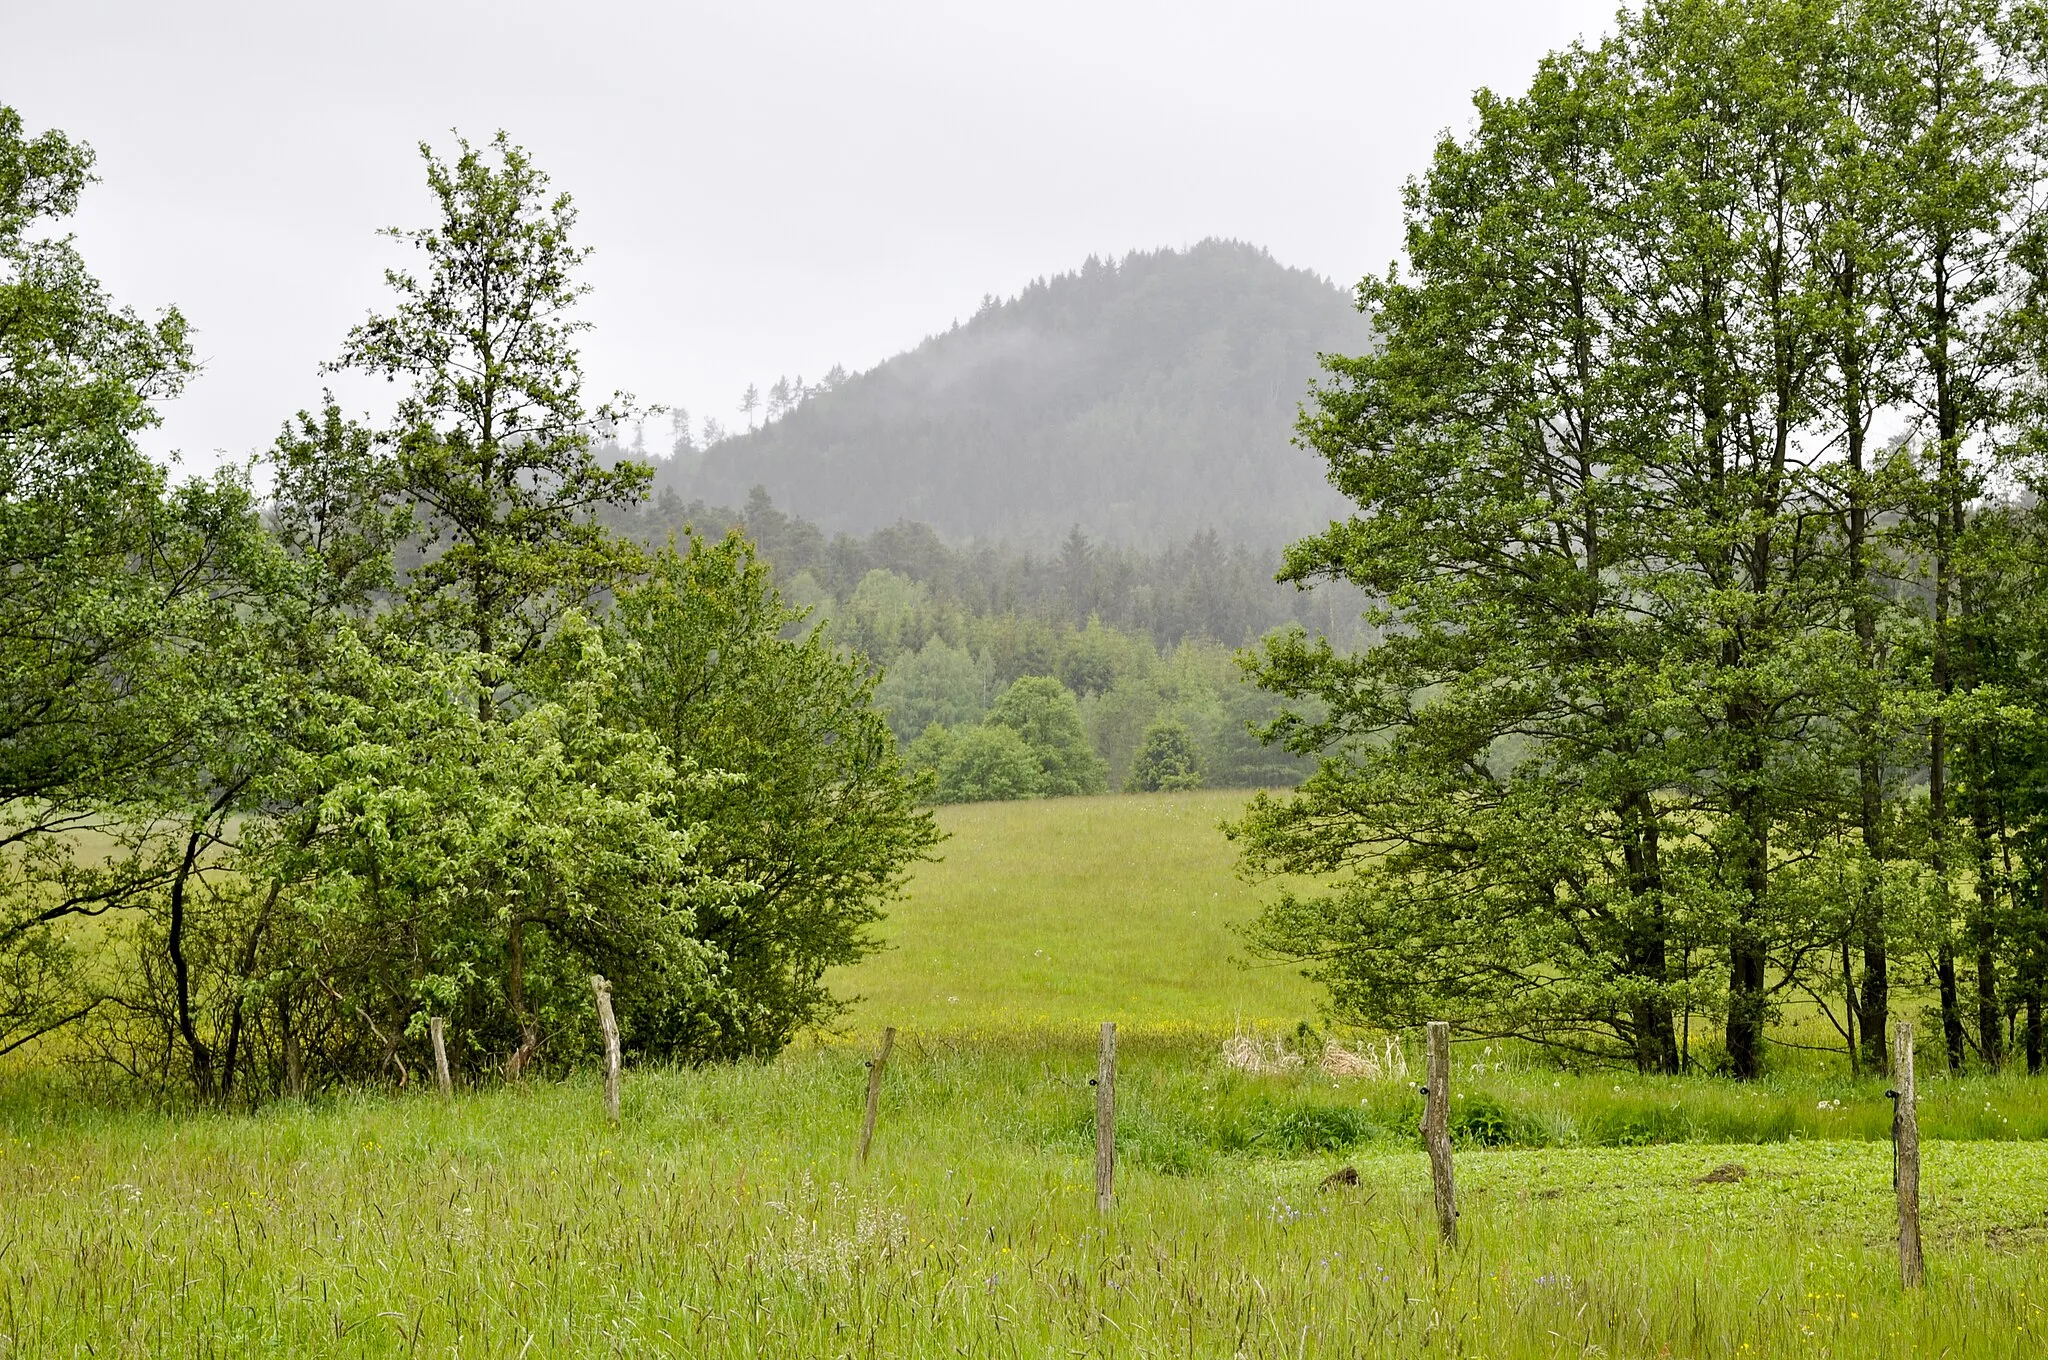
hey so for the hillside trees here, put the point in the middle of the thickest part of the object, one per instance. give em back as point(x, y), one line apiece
point(1647, 687)
point(1147, 397)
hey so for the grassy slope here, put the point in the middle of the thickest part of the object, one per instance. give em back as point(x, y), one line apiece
point(1077, 910)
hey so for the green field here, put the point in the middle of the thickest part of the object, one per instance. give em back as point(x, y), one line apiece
point(1074, 911)
point(1602, 1214)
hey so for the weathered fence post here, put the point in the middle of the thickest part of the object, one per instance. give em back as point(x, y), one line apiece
point(867, 1125)
point(1436, 1129)
point(1906, 1153)
point(610, 1025)
point(438, 1028)
point(1105, 1118)
point(294, 1061)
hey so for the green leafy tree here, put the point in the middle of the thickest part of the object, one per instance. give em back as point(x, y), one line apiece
point(1167, 759)
point(1488, 445)
point(812, 805)
point(1962, 110)
point(494, 446)
point(1045, 714)
point(116, 587)
point(1637, 698)
point(982, 764)
point(935, 684)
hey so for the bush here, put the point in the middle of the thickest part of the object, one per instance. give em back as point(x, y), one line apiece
point(1315, 1128)
point(985, 764)
point(1045, 714)
point(1167, 759)
point(1486, 1122)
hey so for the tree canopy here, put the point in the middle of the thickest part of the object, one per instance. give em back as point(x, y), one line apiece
point(1701, 400)
point(414, 735)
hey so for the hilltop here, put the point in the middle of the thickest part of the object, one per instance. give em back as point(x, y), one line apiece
point(1142, 400)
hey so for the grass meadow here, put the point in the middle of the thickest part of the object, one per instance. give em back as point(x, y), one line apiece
point(1602, 1214)
point(1075, 911)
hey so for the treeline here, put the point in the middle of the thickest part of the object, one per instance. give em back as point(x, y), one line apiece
point(1698, 469)
point(413, 735)
point(1144, 645)
point(1201, 588)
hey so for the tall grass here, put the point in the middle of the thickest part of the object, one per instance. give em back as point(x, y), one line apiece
point(725, 1217)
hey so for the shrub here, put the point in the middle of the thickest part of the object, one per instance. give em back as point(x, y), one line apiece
point(1315, 1128)
point(1167, 759)
point(1046, 715)
point(977, 764)
point(1486, 1122)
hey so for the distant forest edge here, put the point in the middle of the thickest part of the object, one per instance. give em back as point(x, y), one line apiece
point(1141, 647)
point(1140, 400)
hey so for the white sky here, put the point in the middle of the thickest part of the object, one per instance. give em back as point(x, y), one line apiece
point(771, 187)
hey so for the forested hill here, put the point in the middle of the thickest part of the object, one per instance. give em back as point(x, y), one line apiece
point(1142, 400)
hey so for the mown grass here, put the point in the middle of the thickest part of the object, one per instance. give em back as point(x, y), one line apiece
point(725, 1217)
point(1077, 910)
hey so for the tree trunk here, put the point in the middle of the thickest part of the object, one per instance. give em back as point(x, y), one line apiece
point(1876, 1008)
point(2035, 960)
point(1951, 1006)
point(181, 973)
point(1745, 1007)
point(2034, 1030)
point(294, 1061)
point(1849, 1011)
point(1653, 1020)
point(1873, 1010)
point(1937, 813)
point(1746, 948)
point(1990, 1017)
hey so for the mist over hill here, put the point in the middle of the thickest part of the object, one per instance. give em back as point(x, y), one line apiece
point(1142, 400)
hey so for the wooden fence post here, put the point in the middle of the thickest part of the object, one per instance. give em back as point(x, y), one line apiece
point(294, 1061)
point(610, 1025)
point(1906, 1154)
point(1105, 1118)
point(438, 1028)
point(867, 1125)
point(1436, 1129)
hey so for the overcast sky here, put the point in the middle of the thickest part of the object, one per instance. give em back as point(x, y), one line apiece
point(772, 188)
